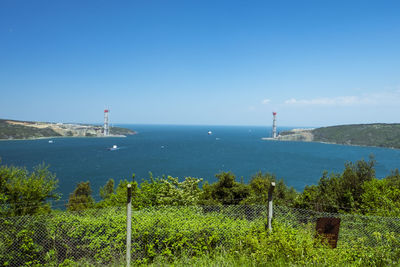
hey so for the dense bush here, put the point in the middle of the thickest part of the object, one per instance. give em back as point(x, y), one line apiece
point(356, 190)
point(23, 192)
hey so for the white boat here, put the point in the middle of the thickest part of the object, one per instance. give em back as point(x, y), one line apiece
point(51, 141)
point(114, 147)
point(209, 133)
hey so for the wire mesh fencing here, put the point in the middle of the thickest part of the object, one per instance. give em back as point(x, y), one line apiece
point(354, 228)
point(60, 236)
point(98, 236)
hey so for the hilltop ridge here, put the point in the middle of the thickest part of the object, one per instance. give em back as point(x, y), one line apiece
point(14, 129)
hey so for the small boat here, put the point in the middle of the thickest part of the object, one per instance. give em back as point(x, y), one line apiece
point(51, 141)
point(209, 133)
point(114, 147)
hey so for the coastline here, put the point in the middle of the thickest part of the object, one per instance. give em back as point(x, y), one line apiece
point(322, 142)
point(27, 130)
point(58, 137)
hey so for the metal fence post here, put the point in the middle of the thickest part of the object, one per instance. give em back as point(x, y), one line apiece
point(270, 197)
point(129, 226)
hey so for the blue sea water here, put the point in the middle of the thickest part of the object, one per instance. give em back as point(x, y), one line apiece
point(182, 151)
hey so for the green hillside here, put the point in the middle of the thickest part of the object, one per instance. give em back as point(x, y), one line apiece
point(11, 131)
point(120, 130)
point(379, 134)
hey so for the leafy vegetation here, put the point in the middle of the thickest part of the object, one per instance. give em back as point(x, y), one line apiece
point(22, 192)
point(184, 223)
point(339, 192)
point(179, 236)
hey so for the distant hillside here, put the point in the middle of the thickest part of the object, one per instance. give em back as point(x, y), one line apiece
point(120, 130)
point(377, 134)
point(12, 129)
point(21, 131)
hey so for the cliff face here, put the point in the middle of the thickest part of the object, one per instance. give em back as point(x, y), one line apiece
point(378, 134)
point(11, 129)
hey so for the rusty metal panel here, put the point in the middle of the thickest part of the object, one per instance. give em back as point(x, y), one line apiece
point(328, 229)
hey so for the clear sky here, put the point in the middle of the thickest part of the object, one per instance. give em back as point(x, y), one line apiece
point(216, 62)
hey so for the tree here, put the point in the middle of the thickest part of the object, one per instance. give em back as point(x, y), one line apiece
point(81, 198)
point(226, 191)
point(108, 190)
point(184, 193)
point(352, 179)
point(118, 197)
point(324, 196)
point(381, 197)
point(259, 187)
point(23, 192)
point(150, 191)
point(339, 192)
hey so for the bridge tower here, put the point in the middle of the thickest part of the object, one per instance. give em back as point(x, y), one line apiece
point(274, 125)
point(106, 126)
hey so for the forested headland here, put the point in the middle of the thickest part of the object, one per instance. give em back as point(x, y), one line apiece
point(376, 134)
point(186, 221)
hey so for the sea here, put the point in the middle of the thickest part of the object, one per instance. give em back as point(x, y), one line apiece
point(188, 151)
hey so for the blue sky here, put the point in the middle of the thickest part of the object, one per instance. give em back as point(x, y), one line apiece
point(316, 63)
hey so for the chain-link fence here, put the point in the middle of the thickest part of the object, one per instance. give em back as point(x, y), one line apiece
point(98, 236)
point(370, 230)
